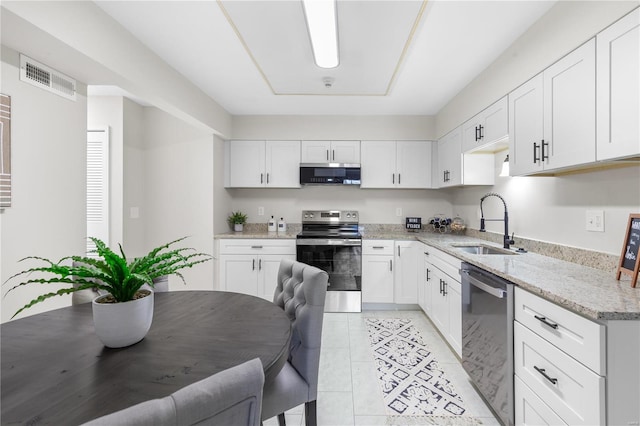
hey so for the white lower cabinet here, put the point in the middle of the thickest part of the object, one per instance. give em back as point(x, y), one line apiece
point(406, 272)
point(425, 281)
point(570, 389)
point(390, 271)
point(377, 271)
point(251, 266)
point(530, 409)
point(445, 291)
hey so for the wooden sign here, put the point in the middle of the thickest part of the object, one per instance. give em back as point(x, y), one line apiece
point(629, 259)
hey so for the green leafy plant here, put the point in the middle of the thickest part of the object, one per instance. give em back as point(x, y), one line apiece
point(237, 218)
point(109, 271)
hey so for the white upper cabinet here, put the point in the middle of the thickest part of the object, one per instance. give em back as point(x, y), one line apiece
point(260, 164)
point(396, 164)
point(487, 127)
point(552, 117)
point(450, 159)
point(347, 152)
point(455, 168)
point(618, 89)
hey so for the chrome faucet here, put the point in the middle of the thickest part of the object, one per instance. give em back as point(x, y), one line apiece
point(507, 241)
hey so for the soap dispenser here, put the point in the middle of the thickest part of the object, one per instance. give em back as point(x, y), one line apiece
point(271, 225)
point(282, 226)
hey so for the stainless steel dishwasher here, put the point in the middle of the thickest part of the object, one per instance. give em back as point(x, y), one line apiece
point(487, 337)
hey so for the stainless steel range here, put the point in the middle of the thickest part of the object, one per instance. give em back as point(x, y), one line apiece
point(330, 240)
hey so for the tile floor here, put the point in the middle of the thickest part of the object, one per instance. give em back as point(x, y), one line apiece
point(348, 390)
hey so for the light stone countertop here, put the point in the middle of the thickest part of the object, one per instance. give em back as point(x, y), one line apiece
point(594, 293)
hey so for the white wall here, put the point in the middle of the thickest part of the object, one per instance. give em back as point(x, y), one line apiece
point(375, 206)
point(549, 209)
point(221, 197)
point(48, 213)
point(553, 209)
point(566, 26)
point(329, 127)
point(179, 189)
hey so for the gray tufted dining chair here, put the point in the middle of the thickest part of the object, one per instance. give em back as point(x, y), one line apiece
point(230, 397)
point(300, 291)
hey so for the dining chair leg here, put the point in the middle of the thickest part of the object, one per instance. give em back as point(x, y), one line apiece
point(310, 415)
point(281, 421)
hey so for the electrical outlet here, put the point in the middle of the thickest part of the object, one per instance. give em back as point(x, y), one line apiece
point(595, 220)
point(399, 211)
point(260, 211)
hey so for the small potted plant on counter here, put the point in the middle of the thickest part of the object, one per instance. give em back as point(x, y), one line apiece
point(122, 315)
point(237, 220)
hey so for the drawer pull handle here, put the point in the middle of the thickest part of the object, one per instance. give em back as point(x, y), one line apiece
point(543, 372)
point(256, 247)
point(377, 247)
point(546, 322)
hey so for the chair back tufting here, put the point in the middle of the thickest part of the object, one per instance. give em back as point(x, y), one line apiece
point(300, 292)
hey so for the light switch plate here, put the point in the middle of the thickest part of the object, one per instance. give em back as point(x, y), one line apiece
point(260, 211)
point(399, 211)
point(595, 220)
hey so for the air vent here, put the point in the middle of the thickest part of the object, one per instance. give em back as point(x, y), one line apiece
point(40, 75)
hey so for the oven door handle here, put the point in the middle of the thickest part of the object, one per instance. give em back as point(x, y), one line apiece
point(328, 242)
point(497, 292)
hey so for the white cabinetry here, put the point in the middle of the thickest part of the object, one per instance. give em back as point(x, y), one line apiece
point(396, 164)
point(407, 265)
point(259, 164)
point(552, 116)
point(347, 152)
point(455, 169)
point(618, 88)
point(425, 280)
point(251, 266)
point(446, 300)
point(559, 357)
point(377, 271)
point(487, 127)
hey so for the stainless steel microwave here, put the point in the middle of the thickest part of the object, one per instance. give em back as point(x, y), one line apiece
point(329, 174)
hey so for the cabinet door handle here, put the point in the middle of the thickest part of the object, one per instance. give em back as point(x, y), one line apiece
point(440, 285)
point(535, 151)
point(391, 265)
point(444, 288)
point(259, 264)
point(481, 127)
point(477, 130)
point(544, 374)
point(398, 178)
point(398, 251)
point(428, 277)
point(544, 157)
point(261, 177)
point(253, 265)
point(393, 178)
point(333, 155)
point(256, 247)
point(546, 322)
point(377, 247)
point(427, 253)
point(327, 155)
point(267, 178)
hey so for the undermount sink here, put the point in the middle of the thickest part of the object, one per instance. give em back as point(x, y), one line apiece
point(483, 249)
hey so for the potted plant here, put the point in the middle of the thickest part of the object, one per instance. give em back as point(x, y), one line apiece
point(123, 315)
point(237, 220)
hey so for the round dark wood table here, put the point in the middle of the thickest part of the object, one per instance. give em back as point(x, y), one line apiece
point(56, 371)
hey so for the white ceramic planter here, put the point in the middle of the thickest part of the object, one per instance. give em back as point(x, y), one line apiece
point(122, 324)
point(238, 227)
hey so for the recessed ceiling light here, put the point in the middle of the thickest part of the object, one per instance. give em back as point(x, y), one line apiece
point(322, 24)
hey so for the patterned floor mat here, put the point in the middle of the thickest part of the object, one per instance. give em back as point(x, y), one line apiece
point(413, 384)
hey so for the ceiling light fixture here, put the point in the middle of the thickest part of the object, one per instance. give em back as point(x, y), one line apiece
point(322, 25)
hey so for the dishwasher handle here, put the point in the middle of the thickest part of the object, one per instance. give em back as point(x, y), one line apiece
point(496, 292)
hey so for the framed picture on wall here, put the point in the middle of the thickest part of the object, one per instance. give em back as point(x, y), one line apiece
point(5, 151)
